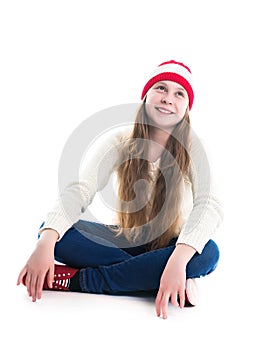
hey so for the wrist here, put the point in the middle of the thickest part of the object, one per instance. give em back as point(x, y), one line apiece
point(184, 252)
point(49, 236)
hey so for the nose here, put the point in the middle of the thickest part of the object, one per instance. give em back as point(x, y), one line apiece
point(167, 99)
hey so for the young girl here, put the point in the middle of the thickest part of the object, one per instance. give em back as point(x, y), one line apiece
point(167, 209)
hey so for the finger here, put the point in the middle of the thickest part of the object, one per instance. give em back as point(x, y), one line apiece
point(174, 297)
point(158, 300)
point(181, 294)
point(164, 305)
point(39, 285)
point(21, 276)
point(28, 283)
point(50, 276)
point(33, 288)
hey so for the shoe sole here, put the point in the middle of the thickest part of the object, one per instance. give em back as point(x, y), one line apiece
point(191, 292)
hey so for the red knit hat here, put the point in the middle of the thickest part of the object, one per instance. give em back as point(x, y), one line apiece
point(173, 71)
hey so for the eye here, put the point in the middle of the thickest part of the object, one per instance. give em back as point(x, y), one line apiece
point(160, 87)
point(180, 94)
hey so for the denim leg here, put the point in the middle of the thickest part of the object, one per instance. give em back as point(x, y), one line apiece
point(203, 264)
point(86, 246)
point(143, 272)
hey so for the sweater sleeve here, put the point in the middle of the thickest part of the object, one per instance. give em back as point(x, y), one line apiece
point(206, 214)
point(78, 195)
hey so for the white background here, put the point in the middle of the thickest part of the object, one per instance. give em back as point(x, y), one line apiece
point(62, 61)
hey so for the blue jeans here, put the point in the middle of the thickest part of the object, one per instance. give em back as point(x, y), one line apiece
point(105, 268)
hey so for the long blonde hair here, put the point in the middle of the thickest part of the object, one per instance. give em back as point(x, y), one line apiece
point(159, 220)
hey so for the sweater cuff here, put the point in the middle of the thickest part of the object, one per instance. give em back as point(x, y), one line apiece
point(195, 239)
point(59, 224)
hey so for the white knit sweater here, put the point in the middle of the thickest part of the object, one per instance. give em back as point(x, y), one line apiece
point(200, 207)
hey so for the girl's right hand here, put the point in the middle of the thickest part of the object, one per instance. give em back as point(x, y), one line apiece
point(40, 265)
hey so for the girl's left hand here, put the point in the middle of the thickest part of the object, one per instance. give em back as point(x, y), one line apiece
point(173, 280)
point(172, 286)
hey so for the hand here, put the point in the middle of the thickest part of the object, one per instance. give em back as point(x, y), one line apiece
point(39, 266)
point(172, 286)
point(173, 280)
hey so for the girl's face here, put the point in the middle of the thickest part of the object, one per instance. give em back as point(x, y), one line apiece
point(166, 104)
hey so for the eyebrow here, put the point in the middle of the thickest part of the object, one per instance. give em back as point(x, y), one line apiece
point(181, 88)
point(163, 82)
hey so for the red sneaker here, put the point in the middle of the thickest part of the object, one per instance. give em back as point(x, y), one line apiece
point(191, 292)
point(62, 276)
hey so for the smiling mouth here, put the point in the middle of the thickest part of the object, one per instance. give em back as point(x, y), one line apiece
point(163, 110)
